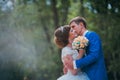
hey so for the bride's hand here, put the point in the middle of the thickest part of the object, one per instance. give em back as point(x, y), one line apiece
point(68, 61)
point(65, 70)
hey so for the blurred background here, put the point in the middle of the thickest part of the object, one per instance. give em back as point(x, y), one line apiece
point(27, 50)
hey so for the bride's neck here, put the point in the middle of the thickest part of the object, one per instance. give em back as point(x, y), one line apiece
point(69, 45)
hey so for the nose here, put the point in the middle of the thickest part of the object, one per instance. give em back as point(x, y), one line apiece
point(74, 33)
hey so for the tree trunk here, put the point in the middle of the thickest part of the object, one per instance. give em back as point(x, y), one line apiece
point(55, 13)
point(65, 12)
point(46, 30)
point(82, 8)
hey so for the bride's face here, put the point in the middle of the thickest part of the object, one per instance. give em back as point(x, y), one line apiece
point(72, 34)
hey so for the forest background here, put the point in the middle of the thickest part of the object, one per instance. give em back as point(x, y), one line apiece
point(27, 50)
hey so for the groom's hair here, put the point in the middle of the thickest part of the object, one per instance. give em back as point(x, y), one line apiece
point(61, 36)
point(79, 19)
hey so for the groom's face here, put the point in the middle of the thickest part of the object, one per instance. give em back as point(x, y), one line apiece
point(76, 27)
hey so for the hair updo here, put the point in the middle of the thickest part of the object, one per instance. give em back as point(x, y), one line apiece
point(61, 36)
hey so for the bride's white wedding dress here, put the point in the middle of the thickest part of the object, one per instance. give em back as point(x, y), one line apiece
point(81, 75)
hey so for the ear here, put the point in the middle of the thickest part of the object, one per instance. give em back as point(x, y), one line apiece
point(81, 24)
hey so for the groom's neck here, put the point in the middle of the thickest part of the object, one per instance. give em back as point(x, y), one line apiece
point(82, 31)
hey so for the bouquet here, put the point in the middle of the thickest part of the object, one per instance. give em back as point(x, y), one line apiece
point(81, 42)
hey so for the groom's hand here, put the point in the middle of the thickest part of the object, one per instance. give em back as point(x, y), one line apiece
point(65, 70)
point(69, 62)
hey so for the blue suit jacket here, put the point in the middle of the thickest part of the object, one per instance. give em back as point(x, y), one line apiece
point(93, 64)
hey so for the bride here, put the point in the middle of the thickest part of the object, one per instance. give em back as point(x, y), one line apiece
point(63, 38)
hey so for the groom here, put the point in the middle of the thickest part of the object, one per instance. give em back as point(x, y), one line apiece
point(93, 63)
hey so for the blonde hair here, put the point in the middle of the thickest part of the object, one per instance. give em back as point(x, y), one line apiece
point(79, 19)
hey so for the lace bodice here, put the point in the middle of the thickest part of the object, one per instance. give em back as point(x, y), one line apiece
point(68, 50)
point(69, 75)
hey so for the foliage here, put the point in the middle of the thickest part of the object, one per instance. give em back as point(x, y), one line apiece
point(29, 29)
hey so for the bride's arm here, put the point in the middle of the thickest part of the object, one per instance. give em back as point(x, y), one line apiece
point(81, 53)
point(65, 69)
point(74, 71)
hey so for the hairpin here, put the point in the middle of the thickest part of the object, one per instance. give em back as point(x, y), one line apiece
point(61, 28)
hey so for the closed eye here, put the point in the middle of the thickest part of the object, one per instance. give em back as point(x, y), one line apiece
point(72, 26)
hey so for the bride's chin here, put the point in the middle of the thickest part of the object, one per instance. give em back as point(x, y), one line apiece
point(76, 36)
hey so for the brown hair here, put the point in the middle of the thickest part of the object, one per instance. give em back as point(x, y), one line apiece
point(79, 19)
point(61, 35)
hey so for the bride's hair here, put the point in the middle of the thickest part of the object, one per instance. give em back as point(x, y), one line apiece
point(61, 36)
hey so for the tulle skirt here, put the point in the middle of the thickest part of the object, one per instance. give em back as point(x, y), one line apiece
point(79, 76)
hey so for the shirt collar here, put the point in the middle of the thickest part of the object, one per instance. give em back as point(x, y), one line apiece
point(85, 32)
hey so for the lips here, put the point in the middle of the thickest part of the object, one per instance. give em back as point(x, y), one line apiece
point(76, 35)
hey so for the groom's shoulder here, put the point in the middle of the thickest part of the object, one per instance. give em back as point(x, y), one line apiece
point(92, 33)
